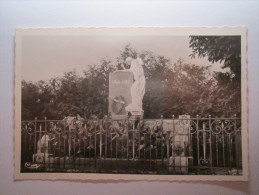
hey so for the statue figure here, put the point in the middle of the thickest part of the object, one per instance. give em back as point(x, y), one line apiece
point(138, 87)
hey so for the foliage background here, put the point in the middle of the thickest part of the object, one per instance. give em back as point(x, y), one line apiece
point(172, 88)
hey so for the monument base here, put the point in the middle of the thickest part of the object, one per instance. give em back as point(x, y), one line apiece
point(134, 115)
point(180, 164)
point(118, 117)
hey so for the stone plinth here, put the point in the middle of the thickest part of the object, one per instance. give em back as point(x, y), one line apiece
point(178, 131)
point(135, 115)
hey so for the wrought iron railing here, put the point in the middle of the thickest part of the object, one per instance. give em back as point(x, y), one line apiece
point(157, 146)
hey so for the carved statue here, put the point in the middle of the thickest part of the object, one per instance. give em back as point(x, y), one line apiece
point(138, 87)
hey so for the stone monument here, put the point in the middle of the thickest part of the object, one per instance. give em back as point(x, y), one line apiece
point(126, 90)
point(137, 89)
point(42, 154)
point(119, 93)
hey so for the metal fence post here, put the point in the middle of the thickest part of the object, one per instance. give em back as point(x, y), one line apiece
point(204, 140)
point(45, 134)
point(236, 145)
point(173, 137)
point(133, 141)
point(198, 147)
point(35, 139)
point(162, 140)
point(210, 140)
point(167, 145)
point(106, 128)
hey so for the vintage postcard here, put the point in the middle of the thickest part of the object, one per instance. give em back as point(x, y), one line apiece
point(140, 103)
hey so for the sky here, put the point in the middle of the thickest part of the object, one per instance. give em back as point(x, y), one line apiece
point(45, 57)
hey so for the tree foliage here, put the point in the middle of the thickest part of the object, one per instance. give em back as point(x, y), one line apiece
point(225, 49)
point(171, 88)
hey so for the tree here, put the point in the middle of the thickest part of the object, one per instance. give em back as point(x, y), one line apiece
point(171, 88)
point(96, 81)
point(226, 49)
point(227, 96)
point(30, 97)
point(177, 88)
point(37, 100)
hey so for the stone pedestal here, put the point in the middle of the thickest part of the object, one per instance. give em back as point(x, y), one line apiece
point(42, 154)
point(134, 115)
point(180, 164)
point(178, 130)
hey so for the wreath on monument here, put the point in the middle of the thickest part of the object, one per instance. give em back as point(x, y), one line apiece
point(118, 104)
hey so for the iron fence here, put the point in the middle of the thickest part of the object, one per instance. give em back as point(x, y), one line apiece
point(181, 145)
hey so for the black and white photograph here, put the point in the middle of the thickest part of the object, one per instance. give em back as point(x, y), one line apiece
point(131, 103)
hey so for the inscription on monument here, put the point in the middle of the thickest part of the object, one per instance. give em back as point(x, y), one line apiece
point(119, 93)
